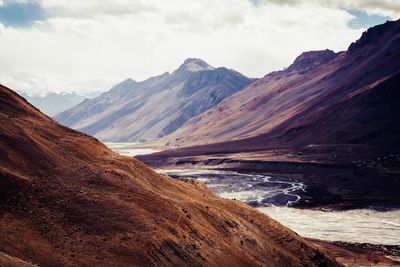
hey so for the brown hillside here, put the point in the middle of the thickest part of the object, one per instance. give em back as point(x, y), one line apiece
point(67, 200)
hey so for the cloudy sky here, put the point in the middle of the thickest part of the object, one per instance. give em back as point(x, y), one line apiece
point(64, 45)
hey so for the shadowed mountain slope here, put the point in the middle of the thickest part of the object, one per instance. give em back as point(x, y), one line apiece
point(133, 111)
point(67, 200)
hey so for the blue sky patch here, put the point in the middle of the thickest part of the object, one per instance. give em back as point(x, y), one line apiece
point(21, 15)
point(364, 20)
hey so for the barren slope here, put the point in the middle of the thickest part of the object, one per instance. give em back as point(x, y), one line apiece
point(67, 200)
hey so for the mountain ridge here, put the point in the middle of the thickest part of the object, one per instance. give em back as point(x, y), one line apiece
point(135, 111)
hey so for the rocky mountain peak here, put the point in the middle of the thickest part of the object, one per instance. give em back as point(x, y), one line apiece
point(194, 65)
point(128, 81)
point(311, 59)
point(374, 34)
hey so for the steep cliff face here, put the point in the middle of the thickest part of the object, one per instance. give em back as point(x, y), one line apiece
point(67, 200)
point(133, 111)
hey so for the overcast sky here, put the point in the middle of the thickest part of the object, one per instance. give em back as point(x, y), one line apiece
point(89, 45)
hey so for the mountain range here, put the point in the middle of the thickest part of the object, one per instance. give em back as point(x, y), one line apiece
point(323, 98)
point(148, 110)
point(67, 200)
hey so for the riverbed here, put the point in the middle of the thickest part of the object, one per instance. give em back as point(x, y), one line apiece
point(256, 190)
point(273, 195)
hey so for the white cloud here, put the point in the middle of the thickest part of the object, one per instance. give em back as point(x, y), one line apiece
point(91, 45)
point(389, 8)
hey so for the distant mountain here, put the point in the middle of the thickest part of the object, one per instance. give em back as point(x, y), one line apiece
point(73, 202)
point(54, 103)
point(148, 110)
point(322, 98)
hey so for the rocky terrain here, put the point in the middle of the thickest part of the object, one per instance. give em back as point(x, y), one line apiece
point(138, 111)
point(67, 200)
